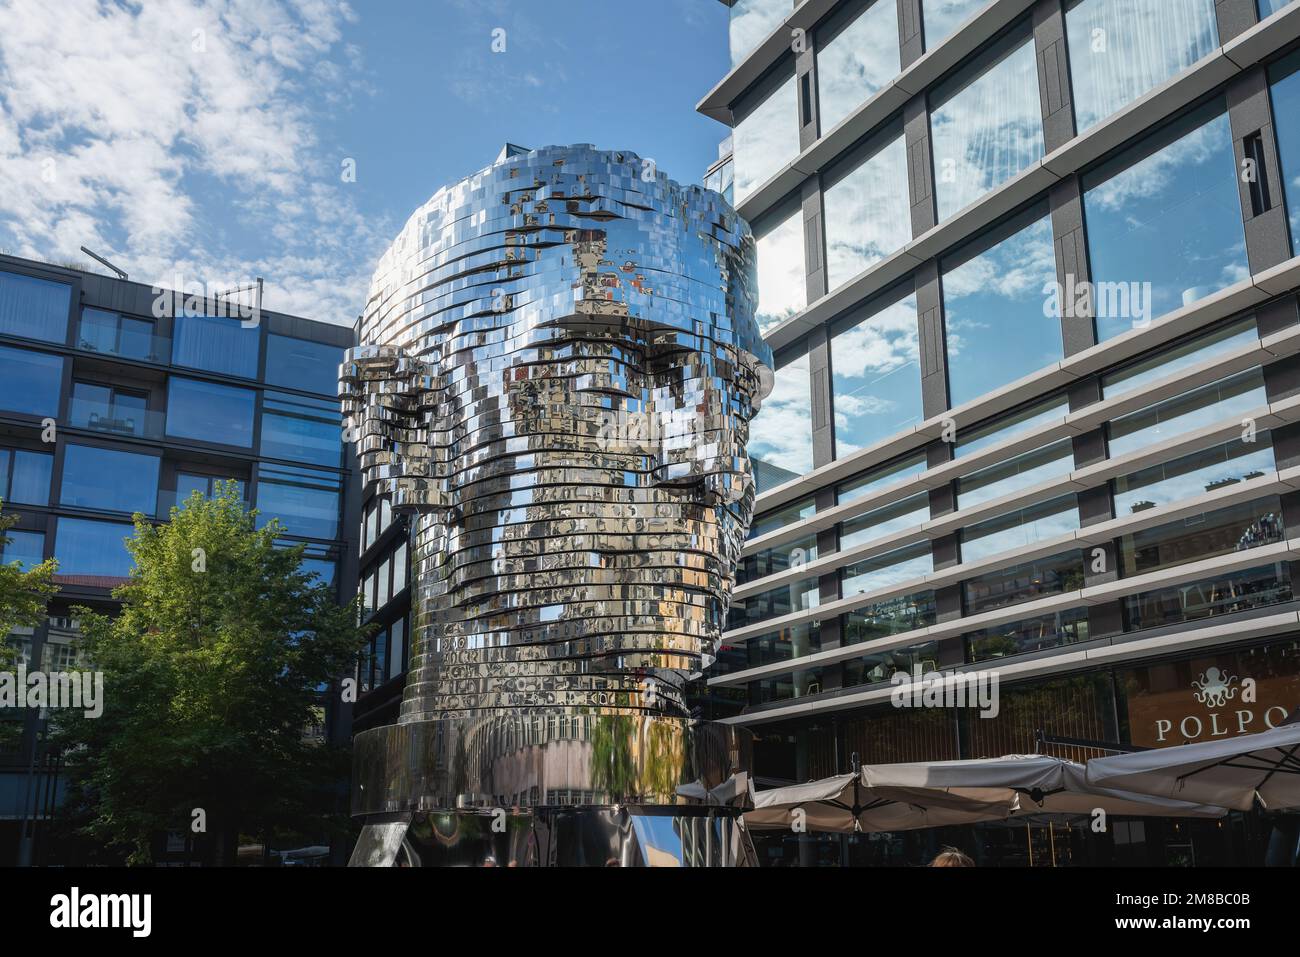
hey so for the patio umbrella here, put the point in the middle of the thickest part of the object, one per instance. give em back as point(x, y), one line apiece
point(1232, 772)
point(843, 804)
point(1038, 783)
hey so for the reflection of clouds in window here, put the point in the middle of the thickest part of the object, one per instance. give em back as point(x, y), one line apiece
point(1172, 219)
point(780, 436)
point(988, 131)
point(766, 139)
point(1020, 529)
point(857, 62)
point(867, 214)
point(877, 377)
point(1286, 111)
point(1215, 402)
point(752, 21)
point(1193, 475)
point(993, 308)
point(1120, 50)
point(888, 570)
point(782, 286)
point(941, 17)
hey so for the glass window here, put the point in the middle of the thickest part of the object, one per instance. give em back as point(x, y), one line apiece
point(401, 567)
point(109, 479)
point(1221, 595)
point(800, 595)
point(1183, 356)
point(1285, 77)
point(1014, 474)
point(886, 520)
point(327, 570)
point(1020, 529)
point(893, 616)
point(86, 547)
point(1003, 428)
point(867, 214)
point(118, 335)
point(857, 54)
point(780, 435)
point(112, 410)
point(766, 134)
point(788, 515)
point(869, 669)
point(300, 364)
point(397, 648)
point(855, 488)
point(34, 308)
point(876, 377)
point(216, 344)
point(1022, 583)
point(1164, 223)
point(750, 22)
point(795, 641)
point(1028, 635)
point(304, 500)
point(782, 282)
point(31, 382)
point(886, 571)
point(302, 430)
point(25, 477)
point(1269, 7)
point(1220, 532)
point(1193, 475)
point(210, 412)
point(26, 548)
point(770, 561)
point(993, 309)
point(1165, 420)
point(942, 17)
point(985, 123)
point(1120, 49)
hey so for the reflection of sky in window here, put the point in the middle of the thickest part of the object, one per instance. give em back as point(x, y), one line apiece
point(766, 139)
point(1286, 113)
point(867, 213)
point(782, 287)
point(877, 377)
point(941, 17)
point(1193, 475)
point(877, 523)
point(1174, 360)
point(1015, 474)
point(1056, 407)
point(885, 571)
point(857, 62)
point(880, 477)
point(751, 22)
point(1212, 403)
point(1172, 219)
point(988, 130)
point(1269, 7)
point(1120, 49)
point(1020, 529)
point(993, 310)
point(780, 436)
point(92, 548)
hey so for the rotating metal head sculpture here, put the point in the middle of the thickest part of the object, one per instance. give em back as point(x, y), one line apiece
point(559, 363)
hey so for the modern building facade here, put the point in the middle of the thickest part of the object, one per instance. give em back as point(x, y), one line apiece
point(1029, 271)
point(145, 409)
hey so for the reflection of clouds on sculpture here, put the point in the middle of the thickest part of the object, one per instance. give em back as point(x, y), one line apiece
point(562, 361)
point(1142, 43)
point(857, 62)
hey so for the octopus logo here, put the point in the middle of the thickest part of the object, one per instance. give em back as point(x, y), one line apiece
point(1215, 688)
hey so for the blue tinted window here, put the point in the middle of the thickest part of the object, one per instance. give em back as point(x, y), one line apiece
point(876, 377)
point(85, 547)
point(994, 314)
point(326, 570)
point(1193, 475)
point(767, 136)
point(303, 430)
point(109, 479)
point(1230, 397)
point(886, 571)
point(1120, 49)
point(118, 335)
point(1012, 475)
point(210, 412)
point(855, 63)
point(216, 344)
point(31, 382)
point(1269, 7)
point(780, 436)
point(985, 124)
point(1169, 361)
point(299, 364)
point(942, 17)
point(305, 501)
point(1286, 113)
point(867, 211)
point(25, 477)
point(27, 548)
point(1164, 223)
point(34, 308)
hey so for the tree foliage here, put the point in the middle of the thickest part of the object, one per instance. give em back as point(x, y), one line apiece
point(24, 595)
point(214, 670)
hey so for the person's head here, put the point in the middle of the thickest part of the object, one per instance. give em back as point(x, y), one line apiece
point(951, 857)
point(559, 363)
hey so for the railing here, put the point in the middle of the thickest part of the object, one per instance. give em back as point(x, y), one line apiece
point(104, 417)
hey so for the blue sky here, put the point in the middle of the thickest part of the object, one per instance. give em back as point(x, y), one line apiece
point(208, 140)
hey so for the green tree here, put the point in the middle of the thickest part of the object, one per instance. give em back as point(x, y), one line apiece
point(23, 594)
point(213, 672)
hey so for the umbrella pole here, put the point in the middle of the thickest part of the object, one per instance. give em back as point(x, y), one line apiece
point(857, 795)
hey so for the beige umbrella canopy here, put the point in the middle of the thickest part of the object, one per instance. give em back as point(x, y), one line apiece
point(844, 804)
point(1034, 783)
point(1232, 772)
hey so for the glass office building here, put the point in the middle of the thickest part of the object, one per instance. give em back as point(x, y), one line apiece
point(146, 410)
point(1029, 273)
